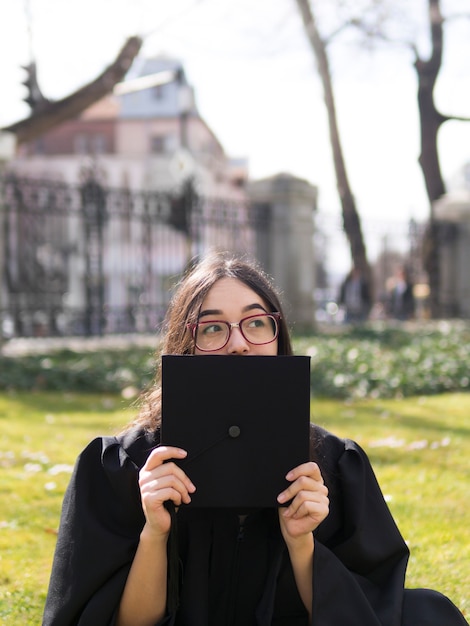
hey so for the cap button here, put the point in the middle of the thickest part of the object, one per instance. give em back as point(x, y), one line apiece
point(234, 431)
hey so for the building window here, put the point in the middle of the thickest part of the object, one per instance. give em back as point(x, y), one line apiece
point(99, 142)
point(158, 92)
point(158, 144)
point(80, 144)
point(39, 147)
point(466, 175)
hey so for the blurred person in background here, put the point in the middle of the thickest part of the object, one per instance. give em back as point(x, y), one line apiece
point(401, 301)
point(354, 297)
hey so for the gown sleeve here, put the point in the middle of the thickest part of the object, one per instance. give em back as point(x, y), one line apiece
point(99, 530)
point(360, 556)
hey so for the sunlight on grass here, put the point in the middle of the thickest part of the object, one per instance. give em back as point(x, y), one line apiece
point(41, 435)
point(419, 448)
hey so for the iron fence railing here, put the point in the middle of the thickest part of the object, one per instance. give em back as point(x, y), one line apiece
point(88, 260)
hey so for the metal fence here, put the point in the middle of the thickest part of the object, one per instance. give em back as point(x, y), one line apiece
point(88, 260)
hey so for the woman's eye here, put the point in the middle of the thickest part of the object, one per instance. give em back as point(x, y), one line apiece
point(210, 329)
point(257, 323)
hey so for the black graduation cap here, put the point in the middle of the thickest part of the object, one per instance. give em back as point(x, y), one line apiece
point(244, 422)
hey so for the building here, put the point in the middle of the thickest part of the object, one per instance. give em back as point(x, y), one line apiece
point(147, 135)
point(105, 211)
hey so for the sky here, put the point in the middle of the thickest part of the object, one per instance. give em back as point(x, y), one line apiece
point(256, 86)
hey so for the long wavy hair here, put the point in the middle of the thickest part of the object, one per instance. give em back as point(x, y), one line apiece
point(185, 306)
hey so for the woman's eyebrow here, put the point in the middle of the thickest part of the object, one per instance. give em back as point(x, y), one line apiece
point(245, 309)
point(251, 307)
point(210, 312)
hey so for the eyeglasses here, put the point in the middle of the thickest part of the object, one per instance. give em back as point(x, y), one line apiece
point(212, 335)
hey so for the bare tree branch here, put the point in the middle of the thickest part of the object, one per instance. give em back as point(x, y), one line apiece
point(53, 113)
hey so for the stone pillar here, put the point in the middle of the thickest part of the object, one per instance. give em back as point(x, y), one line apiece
point(286, 207)
point(452, 213)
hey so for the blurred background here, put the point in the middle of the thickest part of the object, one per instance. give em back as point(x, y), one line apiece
point(327, 139)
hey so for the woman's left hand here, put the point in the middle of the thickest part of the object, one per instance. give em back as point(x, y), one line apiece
point(310, 503)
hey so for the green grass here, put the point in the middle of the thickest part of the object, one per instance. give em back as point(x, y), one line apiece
point(419, 448)
point(41, 434)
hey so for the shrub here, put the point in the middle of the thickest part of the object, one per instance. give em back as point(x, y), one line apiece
point(375, 361)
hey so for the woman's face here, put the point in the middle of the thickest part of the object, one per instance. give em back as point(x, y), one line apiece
point(230, 300)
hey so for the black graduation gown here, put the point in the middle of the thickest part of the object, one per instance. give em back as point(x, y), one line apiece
point(233, 574)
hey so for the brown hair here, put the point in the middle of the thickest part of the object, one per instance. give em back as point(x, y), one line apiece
point(184, 308)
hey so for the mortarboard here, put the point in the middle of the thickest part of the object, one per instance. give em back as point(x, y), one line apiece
point(243, 421)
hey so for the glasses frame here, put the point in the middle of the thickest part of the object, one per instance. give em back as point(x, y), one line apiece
point(231, 325)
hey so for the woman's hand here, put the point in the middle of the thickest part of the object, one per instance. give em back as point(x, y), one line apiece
point(144, 597)
point(160, 480)
point(309, 506)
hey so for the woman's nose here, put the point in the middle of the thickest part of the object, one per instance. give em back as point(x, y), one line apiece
point(237, 344)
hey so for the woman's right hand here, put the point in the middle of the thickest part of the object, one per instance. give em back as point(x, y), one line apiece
point(160, 479)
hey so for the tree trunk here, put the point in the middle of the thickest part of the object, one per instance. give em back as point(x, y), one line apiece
point(430, 122)
point(351, 220)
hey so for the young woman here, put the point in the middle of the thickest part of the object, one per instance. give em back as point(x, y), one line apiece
point(332, 557)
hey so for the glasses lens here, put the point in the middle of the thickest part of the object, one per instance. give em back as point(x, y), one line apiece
point(259, 329)
point(211, 335)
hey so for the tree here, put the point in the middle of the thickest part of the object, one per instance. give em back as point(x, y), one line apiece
point(351, 219)
point(430, 118)
point(372, 20)
point(51, 114)
point(430, 121)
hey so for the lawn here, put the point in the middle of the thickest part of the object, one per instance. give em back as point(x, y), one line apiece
point(419, 447)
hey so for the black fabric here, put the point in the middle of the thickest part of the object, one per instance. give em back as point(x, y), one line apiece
point(237, 574)
point(227, 448)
